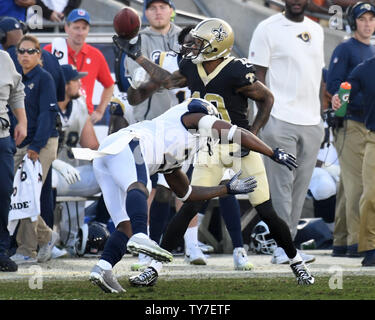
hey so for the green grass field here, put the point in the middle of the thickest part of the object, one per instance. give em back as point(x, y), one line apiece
point(353, 288)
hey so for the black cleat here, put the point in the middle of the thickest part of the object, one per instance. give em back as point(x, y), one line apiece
point(145, 279)
point(302, 273)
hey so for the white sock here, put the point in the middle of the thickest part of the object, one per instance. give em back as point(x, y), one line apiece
point(191, 237)
point(157, 265)
point(297, 258)
point(104, 264)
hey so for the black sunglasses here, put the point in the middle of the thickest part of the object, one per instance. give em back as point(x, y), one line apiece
point(29, 51)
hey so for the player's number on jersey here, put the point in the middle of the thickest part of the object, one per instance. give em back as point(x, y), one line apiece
point(217, 101)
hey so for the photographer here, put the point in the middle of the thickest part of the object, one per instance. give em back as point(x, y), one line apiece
point(350, 131)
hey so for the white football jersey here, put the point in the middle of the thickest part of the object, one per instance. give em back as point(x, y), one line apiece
point(73, 120)
point(164, 141)
point(169, 61)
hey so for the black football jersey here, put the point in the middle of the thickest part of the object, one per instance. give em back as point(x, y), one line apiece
point(219, 87)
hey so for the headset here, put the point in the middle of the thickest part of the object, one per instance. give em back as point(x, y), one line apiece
point(349, 14)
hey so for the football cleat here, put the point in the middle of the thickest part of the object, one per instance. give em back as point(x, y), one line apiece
point(194, 255)
point(302, 273)
point(240, 260)
point(105, 280)
point(140, 243)
point(145, 279)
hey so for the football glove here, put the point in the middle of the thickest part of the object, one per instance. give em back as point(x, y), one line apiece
point(70, 174)
point(133, 50)
point(285, 158)
point(239, 186)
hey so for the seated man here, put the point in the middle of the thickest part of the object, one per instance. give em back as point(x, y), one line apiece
point(69, 176)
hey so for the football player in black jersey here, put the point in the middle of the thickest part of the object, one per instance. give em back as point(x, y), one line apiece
point(210, 72)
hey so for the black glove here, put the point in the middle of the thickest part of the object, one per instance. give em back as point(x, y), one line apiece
point(285, 158)
point(133, 50)
point(238, 186)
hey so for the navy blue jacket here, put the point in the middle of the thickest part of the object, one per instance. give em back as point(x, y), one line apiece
point(362, 81)
point(51, 64)
point(345, 58)
point(41, 108)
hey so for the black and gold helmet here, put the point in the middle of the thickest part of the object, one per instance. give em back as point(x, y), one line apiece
point(215, 40)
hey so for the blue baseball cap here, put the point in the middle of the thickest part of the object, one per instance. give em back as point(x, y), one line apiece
point(363, 8)
point(9, 23)
point(78, 14)
point(71, 73)
point(169, 2)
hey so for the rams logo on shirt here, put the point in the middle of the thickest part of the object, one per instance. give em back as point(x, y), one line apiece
point(219, 33)
point(305, 37)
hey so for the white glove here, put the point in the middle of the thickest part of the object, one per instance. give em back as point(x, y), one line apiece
point(70, 173)
point(140, 75)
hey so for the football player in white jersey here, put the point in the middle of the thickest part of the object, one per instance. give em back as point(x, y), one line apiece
point(71, 177)
point(126, 159)
point(160, 203)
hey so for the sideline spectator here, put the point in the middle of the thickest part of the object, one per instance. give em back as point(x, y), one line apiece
point(12, 94)
point(288, 48)
point(40, 144)
point(72, 177)
point(360, 81)
point(350, 132)
point(13, 34)
point(86, 58)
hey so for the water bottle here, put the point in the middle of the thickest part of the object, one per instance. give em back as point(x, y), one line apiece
point(344, 93)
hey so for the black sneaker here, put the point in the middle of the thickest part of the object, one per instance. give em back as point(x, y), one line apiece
point(7, 264)
point(302, 273)
point(145, 279)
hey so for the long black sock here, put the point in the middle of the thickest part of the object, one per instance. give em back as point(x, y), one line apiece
point(179, 223)
point(231, 213)
point(115, 247)
point(278, 228)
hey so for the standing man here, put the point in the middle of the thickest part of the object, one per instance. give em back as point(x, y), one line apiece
point(350, 132)
point(287, 51)
point(161, 35)
point(360, 79)
point(12, 94)
point(86, 58)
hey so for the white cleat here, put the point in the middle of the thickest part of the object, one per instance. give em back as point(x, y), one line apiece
point(194, 255)
point(241, 261)
point(141, 243)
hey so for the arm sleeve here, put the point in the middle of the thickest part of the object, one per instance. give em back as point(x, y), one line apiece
point(47, 113)
point(72, 4)
point(338, 69)
point(46, 11)
point(260, 49)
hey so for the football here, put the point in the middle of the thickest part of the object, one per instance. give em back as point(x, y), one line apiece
point(127, 23)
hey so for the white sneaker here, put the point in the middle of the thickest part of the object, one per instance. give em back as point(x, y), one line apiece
point(45, 251)
point(58, 253)
point(194, 255)
point(142, 263)
point(21, 259)
point(241, 261)
point(279, 257)
point(206, 248)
